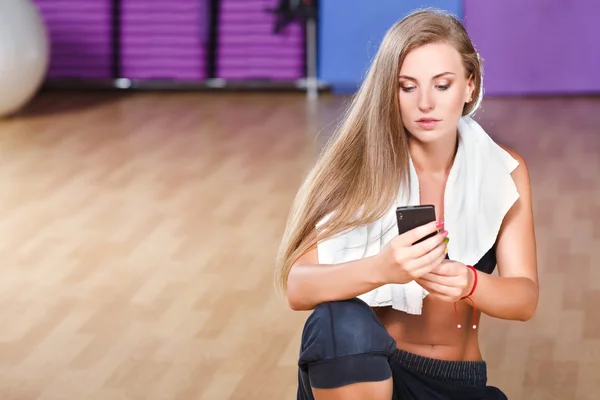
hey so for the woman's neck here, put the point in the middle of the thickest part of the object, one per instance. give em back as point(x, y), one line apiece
point(433, 158)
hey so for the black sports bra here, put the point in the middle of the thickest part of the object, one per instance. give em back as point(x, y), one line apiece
point(487, 263)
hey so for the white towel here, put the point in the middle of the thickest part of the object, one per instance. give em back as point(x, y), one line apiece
point(479, 192)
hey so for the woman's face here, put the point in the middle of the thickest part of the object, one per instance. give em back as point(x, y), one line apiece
point(433, 91)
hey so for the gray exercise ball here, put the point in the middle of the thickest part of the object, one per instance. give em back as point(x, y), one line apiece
point(24, 54)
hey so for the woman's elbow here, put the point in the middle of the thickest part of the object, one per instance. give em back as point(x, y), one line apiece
point(296, 301)
point(292, 297)
point(530, 309)
point(297, 304)
point(526, 315)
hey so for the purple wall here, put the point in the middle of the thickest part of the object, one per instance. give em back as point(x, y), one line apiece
point(248, 48)
point(80, 37)
point(164, 39)
point(537, 46)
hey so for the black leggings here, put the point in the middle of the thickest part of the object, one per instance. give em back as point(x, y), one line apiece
point(344, 342)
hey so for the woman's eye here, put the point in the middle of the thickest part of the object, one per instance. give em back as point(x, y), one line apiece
point(408, 89)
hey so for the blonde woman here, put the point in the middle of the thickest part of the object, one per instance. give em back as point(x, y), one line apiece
point(392, 319)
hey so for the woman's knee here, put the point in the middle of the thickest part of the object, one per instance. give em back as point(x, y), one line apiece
point(344, 342)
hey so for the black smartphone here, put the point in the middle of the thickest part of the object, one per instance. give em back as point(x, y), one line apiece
point(410, 217)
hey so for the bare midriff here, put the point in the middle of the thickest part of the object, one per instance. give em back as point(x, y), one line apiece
point(434, 333)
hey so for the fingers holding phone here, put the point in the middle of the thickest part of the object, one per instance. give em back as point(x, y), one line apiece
point(427, 254)
point(401, 262)
point(419, 248)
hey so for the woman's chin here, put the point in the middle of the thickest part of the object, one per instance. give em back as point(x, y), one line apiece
point(427, 135)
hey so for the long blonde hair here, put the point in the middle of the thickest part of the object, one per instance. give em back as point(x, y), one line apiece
point(357, 176)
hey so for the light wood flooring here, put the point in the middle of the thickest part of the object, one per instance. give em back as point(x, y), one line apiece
point(138, 234)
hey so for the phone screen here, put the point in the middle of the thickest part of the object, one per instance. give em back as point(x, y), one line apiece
point(411, 217)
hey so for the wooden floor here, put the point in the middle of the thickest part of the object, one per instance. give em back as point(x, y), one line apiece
point(139, 233)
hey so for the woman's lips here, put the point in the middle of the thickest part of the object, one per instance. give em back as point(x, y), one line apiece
point(428, 123)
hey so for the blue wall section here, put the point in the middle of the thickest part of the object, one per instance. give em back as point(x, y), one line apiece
point(350, 32)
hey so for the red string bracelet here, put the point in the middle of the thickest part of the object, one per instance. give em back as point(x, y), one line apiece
point(468, 297)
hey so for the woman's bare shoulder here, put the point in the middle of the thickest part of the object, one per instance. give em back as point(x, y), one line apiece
point(521, 173)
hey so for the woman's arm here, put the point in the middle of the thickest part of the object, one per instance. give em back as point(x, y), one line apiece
point(311, 283)
point(514, 293)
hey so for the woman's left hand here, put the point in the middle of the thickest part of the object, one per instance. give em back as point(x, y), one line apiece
point(451, 281)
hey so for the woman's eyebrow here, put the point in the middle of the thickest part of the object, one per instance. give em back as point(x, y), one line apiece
point(410, 78)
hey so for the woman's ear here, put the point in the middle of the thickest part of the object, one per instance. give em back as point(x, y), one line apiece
point(470, 89)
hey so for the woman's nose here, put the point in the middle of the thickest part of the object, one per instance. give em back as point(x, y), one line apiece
point(426, 101)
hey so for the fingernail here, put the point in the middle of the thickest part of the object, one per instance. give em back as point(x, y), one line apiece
point(446, 239)
point(439, 224)
point(445, 233)
point(446, 250)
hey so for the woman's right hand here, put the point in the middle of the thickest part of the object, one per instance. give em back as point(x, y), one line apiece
point(401, 262)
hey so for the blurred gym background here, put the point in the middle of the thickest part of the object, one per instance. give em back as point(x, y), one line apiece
point(150, 150)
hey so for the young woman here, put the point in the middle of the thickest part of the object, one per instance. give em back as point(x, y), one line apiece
point(391, 318)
